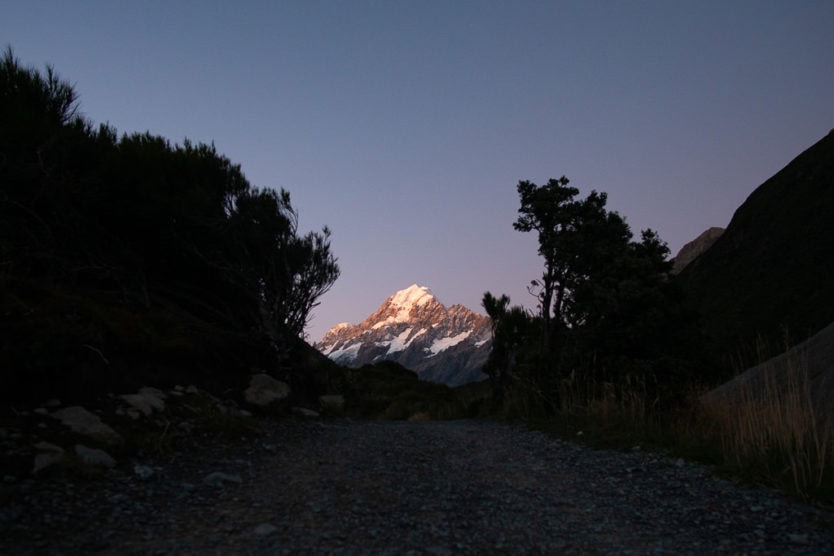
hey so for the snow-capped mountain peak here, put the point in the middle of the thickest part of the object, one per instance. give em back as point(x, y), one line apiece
point(400, 307)
point(413, 295)
point(412, 327)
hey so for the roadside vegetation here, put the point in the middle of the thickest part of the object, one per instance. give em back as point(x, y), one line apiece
point(128, 260)
point(615, 356)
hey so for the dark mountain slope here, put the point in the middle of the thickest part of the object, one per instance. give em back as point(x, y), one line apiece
point(773, 268)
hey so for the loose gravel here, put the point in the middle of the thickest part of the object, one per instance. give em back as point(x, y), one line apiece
point(455, 487)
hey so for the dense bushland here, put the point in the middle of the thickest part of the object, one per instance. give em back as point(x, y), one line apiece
point(616, 355)
point(609, 312)
point(128, 258)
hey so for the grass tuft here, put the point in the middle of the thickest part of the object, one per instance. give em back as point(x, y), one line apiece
point(770, 431)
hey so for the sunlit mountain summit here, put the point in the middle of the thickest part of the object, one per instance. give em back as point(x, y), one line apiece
point(441, 344)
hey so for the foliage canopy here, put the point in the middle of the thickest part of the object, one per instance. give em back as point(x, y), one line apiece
point(138, 223)
point(608, 308)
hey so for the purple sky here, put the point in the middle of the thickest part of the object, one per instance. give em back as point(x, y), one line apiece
point(405, 125)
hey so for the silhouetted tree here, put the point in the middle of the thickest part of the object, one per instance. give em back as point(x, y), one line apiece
point(512, 331)
point(137, 222)
point(607, 304)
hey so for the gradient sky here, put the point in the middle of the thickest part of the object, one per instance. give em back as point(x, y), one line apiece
point(405, 126)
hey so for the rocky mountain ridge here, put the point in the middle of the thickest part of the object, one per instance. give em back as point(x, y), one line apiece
point(695, 248)
point(441, 344)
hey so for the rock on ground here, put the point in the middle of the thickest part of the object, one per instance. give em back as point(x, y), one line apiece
point(264, 390)
point(87, 424)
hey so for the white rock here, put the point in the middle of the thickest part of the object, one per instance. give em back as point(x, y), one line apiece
point(147, 400)
point(264, 390)
point(87, 424)
point(94, 456)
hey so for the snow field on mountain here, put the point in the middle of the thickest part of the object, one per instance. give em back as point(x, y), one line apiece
point(344, 353)
point(442, 344)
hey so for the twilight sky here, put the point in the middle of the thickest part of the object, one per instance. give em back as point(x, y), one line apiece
point(404, 126)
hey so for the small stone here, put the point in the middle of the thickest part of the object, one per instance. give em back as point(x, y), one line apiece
point(94, 456)
point(46, 459)
point(218, 478)
point(48, 447)
point(143, 471)
point(332, 403)
point(305, 413)
point(797, 538)
point(265, 529)
point(680, 463)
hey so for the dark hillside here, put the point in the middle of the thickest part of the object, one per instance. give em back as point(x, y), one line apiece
point(772, 270)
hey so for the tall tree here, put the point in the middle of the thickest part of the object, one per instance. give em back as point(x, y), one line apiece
point(578, 239)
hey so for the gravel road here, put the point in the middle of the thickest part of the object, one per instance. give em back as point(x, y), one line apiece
point(457, 487)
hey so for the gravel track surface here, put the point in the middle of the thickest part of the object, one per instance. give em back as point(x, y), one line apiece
point(457, 487)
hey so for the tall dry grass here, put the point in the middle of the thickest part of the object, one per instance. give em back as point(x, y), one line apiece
point(770, 429)
point(767, 430)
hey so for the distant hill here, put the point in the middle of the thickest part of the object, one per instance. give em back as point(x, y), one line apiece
point(442, 344)
point(772, 270)
point(695, 248)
